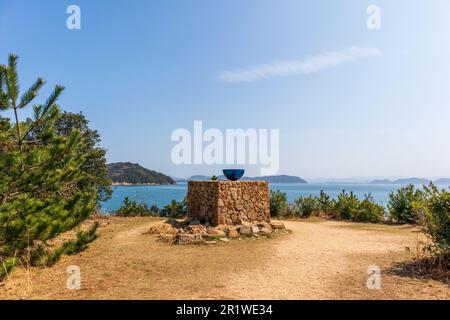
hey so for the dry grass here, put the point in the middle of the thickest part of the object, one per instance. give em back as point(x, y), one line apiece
point(318, 260)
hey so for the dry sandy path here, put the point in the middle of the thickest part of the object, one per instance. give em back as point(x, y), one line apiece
point(318, 260)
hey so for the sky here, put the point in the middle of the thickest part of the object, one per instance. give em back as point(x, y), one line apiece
point(349, 102)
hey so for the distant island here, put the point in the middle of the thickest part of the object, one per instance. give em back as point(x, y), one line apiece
point(127, 173)
point(415, 181)
point(271, 179)
point(442, 181)
point(382, 181)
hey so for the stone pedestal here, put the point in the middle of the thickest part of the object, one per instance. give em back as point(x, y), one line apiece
point(228, 202)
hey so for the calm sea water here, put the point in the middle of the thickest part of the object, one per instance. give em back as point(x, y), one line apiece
point(162, 195)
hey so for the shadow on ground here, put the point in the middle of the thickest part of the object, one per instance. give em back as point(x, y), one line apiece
point(420, 269)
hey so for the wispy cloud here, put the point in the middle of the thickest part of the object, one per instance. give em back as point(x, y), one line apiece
point(315, 63)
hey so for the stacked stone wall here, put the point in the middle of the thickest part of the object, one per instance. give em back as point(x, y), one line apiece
point(229, 202)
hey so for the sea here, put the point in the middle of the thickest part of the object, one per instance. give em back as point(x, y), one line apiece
point(163, 194)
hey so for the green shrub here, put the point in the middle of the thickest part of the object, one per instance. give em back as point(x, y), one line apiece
point(41, 258)
point(433, 212)
point(349, 207)
point(154, 210)
point(278, 203)
point(346, 205)
point(51, 172)
point(368, 211)
point(306, 206)
point(175, 209)
point(133, 209)
point(7, 265)
point(214, 178)
point(401, 202)
point(290, 211)
point(325, 204)
point(83, 238)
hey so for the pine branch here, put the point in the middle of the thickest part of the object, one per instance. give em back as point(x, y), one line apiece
point(31, 93)
point(40, 111)
point(3, 95)
point(12, 82)
point(52, 99)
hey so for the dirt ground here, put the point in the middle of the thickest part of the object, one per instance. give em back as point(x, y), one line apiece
point(318, 260)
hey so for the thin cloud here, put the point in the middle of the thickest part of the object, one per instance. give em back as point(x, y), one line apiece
point(316, 63)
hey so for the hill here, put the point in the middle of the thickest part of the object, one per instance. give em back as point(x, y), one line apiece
point(416, 181)
point(271, 179)
point(442, 181)
point(198, 177)
point(381, 181)
point(133, 173)
point(278, 179)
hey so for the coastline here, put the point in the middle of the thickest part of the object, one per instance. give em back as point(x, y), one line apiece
point(124, 184)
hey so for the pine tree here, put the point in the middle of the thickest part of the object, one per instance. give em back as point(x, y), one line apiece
point(40, 169)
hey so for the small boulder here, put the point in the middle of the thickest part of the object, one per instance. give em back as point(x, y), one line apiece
point(264, 224)
point(255, 230)
point(245, 230)
point(264, 231)
point(222, 227)
point(188, 239)
point(165, 238)
point(215, 232)
point(197, 229)
point(246, 223)
point(233, 234)
point(277, 225)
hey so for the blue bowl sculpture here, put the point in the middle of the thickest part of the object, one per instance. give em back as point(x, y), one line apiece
point(233, 174)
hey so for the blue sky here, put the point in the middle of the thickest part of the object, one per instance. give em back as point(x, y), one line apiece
point(140, 69)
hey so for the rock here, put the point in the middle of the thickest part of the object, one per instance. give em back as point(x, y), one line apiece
point(233, 234)
point(192, 232)
point(222, 227)
point(234, 193)
point(152, 230)
point(277, 225)
point(171, 231)
point(245, 230)
point(165, 238)
point(265, 231)
point(255, 230)
point(188, 239)
point(264, 224)
point(216, 232)
point(159, 228)
point(175, 223)
point(196, 229)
